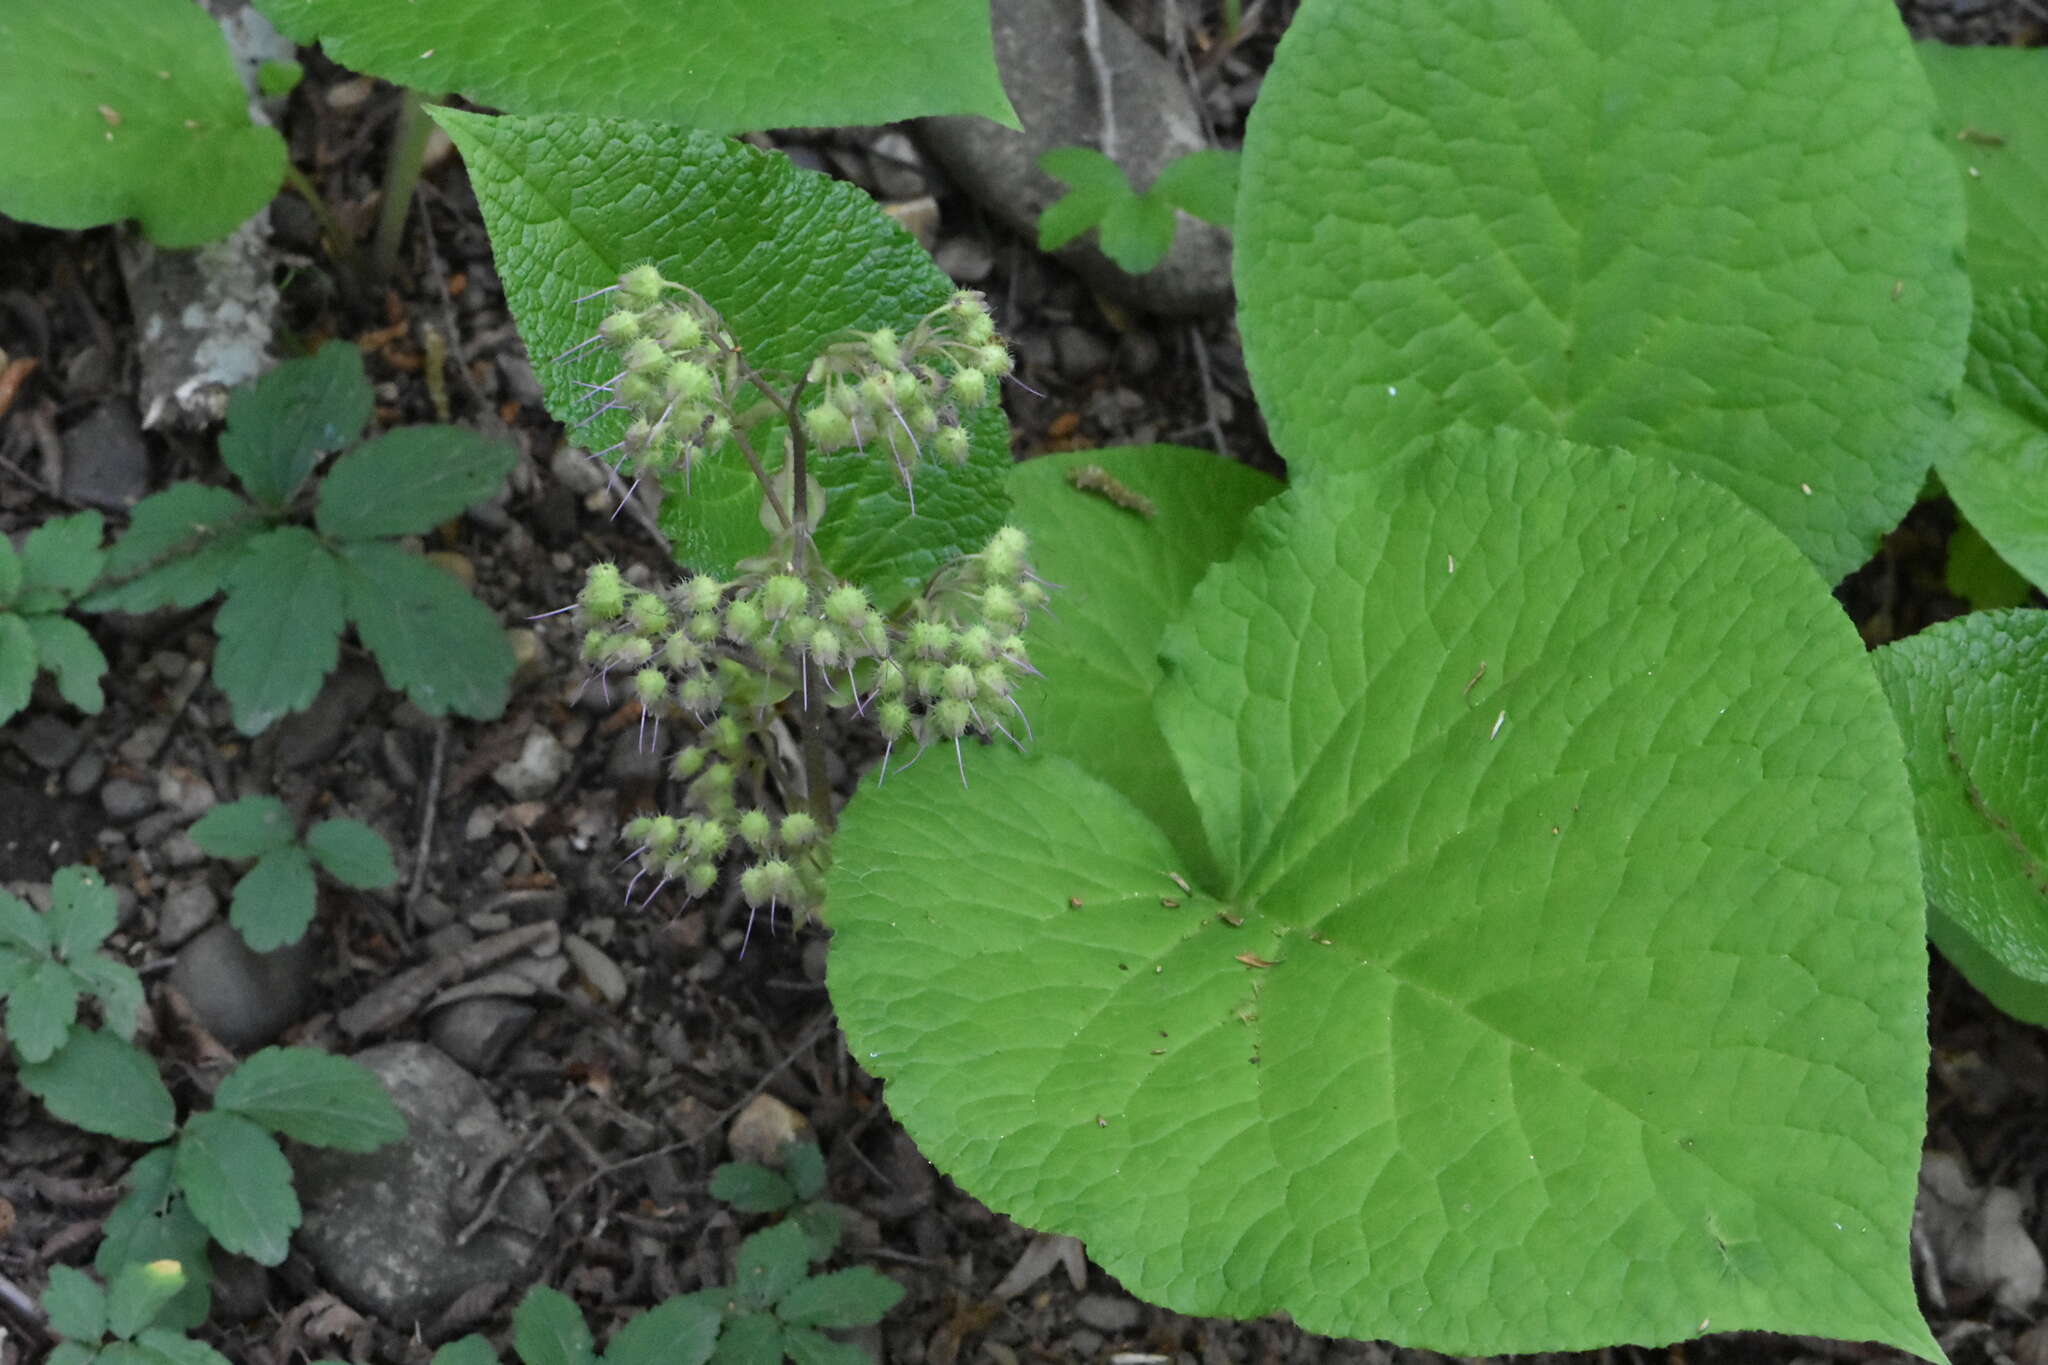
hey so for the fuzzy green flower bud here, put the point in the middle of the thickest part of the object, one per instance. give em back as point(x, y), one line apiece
point(756, 828)
point(828, 427)
point(878, 393)
point(680, 331)
point(702, 592)
point(699, 694)
point(716, 782)
point(802, 629)
point(743, 621)
point(927, 680)
point(1000, 607)
point(952, 445)
point(728, 736)
point(686, 380)
point(969, 388)
point(604, 593)
point(993, 679)
point(953, 716)
point(630, 651)
point(650, 685)
point(958, 682)
point(799, 829)
point(892, 718)
point(702, 627)
point(993, 360)
point(826, 647)
point(687, 764)
point(847, 606)
point(782, 596)
point(874, 636)
point(596, 644)
point(662, 833)
point(681, 654)
point(648, 613)
point(638, 391)
point(930, 639)
point(884, 347)
point(642, 285)
point(1002, 559)
point(971, 322)
point(1032, 595)
point(976, 644)
point(620, 328)
point(845, 397)
point(707, 838)
point(719, 432)
point(637, 829)
point(643, 356)
point(699, 878)
point(922, 418)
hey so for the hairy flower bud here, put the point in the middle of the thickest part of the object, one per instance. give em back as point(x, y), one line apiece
point(687, 764)
point(756, 828)
point(681, 332)
point(643, 356)
point(969, 388)
point(620, 328)
point(699, 878)
point(892, 718)
point(953, 716)
point(642, 285)
point(930, 639)
point(952, 445)
point(686, 381)
point(847, 606)
point(743, 621)
point(958, 682)
point(604, 593)
point(783, 596)
point(799, 829)
point(648, 613)
point(650, 685)
point(702, 592)
point(828, 427)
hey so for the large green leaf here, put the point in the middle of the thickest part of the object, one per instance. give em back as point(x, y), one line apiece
point(791, 258)
point(280, 629)
point(725, 67)
point(104, 1085)
point(1993, 118)
point(280, 426)
point(179, 547)
point(275, 900)
point(1572, 999)
point(1123, 577)
point(1969, 695)
point(314, 1097)
point(152, 1223)
point(408, 481)
point(1995, 465)
point(432, 639)
point(239, 1185)
point(1716, 232)
point(128, 109)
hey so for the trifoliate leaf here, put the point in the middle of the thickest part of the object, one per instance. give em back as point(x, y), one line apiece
point(433, 640)
point(138, 1291)
point(770, 1262)
point(101, 1084)
point(68, 652)
point(792, 259)
point(352, 853)
point(1137, 233)
point(1720, 235)
point(1969, 694)
point(751, 1188)
point(805, 1166)
point(274, 901)
point(280, 629)
point(63, 555)
point(83, 911)
point(155, 126)
point(548, 1329)
point(410, 480)
point(191, 533)
point(75, 1304)
point(247, 828)
point(844, 1298)
point(726, 68)
point(152, 1223)
point(41, 1009)
point(281, 425)
point(313, 1097)
point(1202, 183)
point(1597, 966)
point(238, 1184)
point(678, 1331)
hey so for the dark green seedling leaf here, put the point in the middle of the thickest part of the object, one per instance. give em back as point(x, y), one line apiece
point(1969, 694)
point(678, 1331)
point(59, 560)
point(72, 1353)
point(409, 481)
point(823, 1224)
point(806, 1347)
point(805, 1166)
point(161, 1347)
point(469, 1350)
point(104, 1085)
point(1126, 575)
point(1993, 119)
point(1496, 962)
point(751, 1188)
point(63, 647)
point(803, 63)
point(750, 1339)
point(83, 911)
point(17, 665)
point(75, 1304)
point(191, 534)
point(138, 1292)
point(152, 1223)
point(1996, 464)
point(1697, 238)
point(548, 1329)
point(1202, 183)
point(280, 629)
point(844, 1298)
point(1977, 574)
point(1137, 232)
point(118, 989)
point(352, 853)
point(247, 828)
point(41, 1007)
point(280, 426)
point(155, 127)
point(770, 1262)
point(275, 900)
point(313, 1097)
point(433, 640)
point(21, 927)
point(791, 258)
point(1094, 183)
point(10, 573)
point(239, 1185)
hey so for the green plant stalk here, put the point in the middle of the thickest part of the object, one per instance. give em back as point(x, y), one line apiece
point(340, 241)
point(401, 177)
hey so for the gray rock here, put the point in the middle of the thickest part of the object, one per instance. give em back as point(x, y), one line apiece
point(314, 734)
point(105, 461)
point(1079, 352)
point(85, 772)
point(966, 259)
point(186, 910)
point(1046, 70)
point(1107, 1313)
point(542, 762)
point(478, 1033)
point(126, 800)
point(382, 1227)
point(47, 742)
point(244, 998)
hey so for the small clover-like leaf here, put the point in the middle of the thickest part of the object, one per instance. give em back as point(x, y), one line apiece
point(64, 648)
point(281, 425)
point(280, 629)
point(118, 989)
point(751, 1188)
point(247, 828)
point(75, 1304)
point(139, 1291)
point(1202, 183)
point(21, 926)
point(352, 853)
point(432, 639)
point(805, 1166)
point(313, 1097)
point(274, 901)
point(770, 1262)
point(239, 1185)
point(678, 1331)
point(1137, 233)
point(41, 1009)
point(63, 555)
point(844, 1298)
point(83, 911)
point(410, 480)
point(548, 1329)
point(104, 1085)
point(178, 549)
point(153, 1223)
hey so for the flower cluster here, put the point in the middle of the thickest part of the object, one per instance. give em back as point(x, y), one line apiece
point(726, 655)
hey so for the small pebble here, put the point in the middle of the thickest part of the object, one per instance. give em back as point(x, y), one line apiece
point(186, 910)
point(85, 773)
point(48, 743)
point(761, 1129)
point(542, 763)
point(1108, 1313)
point(126, 800)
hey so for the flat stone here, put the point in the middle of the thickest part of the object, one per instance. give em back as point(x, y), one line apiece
point(381, 1227)
point(478, 1033)
point(1046, 70)
point(47, 742)
point(1108, 1314)
point(105, 462)
point(124, 800)
point(244, 998)
point(313, 735)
